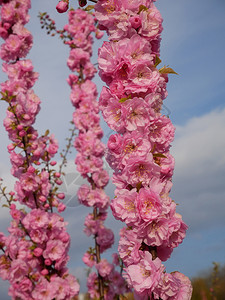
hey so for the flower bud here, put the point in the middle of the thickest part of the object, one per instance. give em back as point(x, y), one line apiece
point(62, 6)
point(82, 3)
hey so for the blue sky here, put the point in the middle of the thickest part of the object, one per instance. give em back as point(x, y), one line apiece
point(193, 43)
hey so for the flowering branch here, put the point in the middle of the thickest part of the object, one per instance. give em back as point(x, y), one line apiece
point(139, 151)
point(90, 152)
point(35, 253)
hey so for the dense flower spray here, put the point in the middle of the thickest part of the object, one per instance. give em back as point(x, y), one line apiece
point(35, 254)
point(107, 282)
point(139, 151)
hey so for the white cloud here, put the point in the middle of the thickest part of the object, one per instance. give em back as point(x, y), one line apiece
point(199, 171)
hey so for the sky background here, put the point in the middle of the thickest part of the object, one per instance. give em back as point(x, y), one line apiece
point(193, 44)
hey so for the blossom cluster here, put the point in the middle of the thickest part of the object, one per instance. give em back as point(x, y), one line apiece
point(107, 282)
point(139, 150)
point(35, 254)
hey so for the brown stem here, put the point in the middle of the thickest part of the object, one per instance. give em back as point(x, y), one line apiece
point(4, 194)
point(68, 146)
point(98, 259)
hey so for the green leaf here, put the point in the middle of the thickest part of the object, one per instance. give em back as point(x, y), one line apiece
point(5, 205)
point(125, 99)
point(159, 155)
point(142, 8)
point(89, 7)
point(167, 70)
point(157, 61)
point(138, 186)
point(47, 132)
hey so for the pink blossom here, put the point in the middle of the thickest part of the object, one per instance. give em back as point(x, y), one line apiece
point(61, 287)
point(124, 206)
point(82, 194)
point(38, 252)
point(161, 132)
point(134, 143)
point(10, 50)
point(92, 285)
point(5, 264)
point(110, 55)
point(54, 250)
point(36, 219)
point(118, 283)
point(129, 247)
point(105, 238)
point(114, 144)
point(18, 270)
point(136, 114)
point(177, 230)
point(88, 144)
point(101, 178)
point(77, 58)
point(38, 235)
point(112, 111)
point(25, 285)
point(185, 289)
point(167, 288)
point(138, 49)
point(141, 169)
point(73, 284)
point(43, 290)
point(145, 275)
point(155, 233)
point(116, 87)
point(148, 204)
point(91, 226)
point(115, 257)
point(88, 165)
point(89, 259)
point(151, 23)
point(104, 268)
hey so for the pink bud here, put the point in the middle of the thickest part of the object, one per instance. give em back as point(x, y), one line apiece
point(26, 117)
point(48, 262)
point(22, 133)
point(135, 22)
point(53, 163)
point(58, 181)
point(64, 237)
point(62, 6)
point(99, 34)
point(55, 202)
point(12, 206)
point(38, 252)
point(7, 25)
point(29, 255)
point(37, 153)
point(57, 174)
point(44, 272)
point(61, 195)
point(82, 3)
point(31, 169)
point(42, 198)
point(19, 127)
point(61, 207)
point(10, 147)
